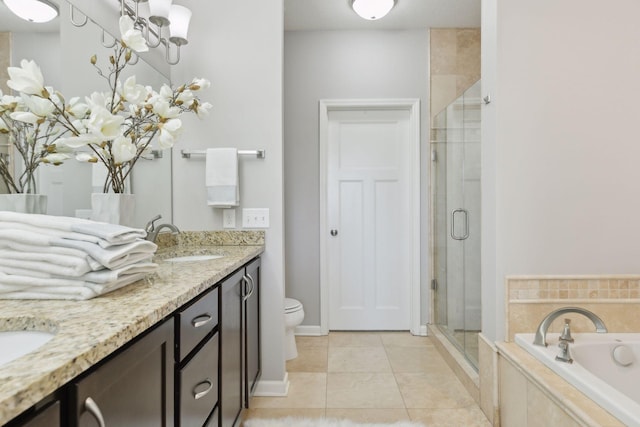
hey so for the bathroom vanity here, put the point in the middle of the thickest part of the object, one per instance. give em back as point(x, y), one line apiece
point(180, 348)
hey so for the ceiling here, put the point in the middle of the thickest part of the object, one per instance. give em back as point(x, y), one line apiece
point(305, 15)
point(309, 15)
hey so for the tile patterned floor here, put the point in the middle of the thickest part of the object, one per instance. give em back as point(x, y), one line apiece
point(372, 377)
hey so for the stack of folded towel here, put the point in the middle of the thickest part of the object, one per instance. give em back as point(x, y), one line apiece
point(56, 257)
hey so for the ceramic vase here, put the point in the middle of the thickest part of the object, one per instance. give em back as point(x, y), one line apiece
point(24, 203)
point(114, 208)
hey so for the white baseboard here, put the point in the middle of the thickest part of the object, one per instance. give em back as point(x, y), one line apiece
point(421, 332)
point(313, 331)
point(273, 388)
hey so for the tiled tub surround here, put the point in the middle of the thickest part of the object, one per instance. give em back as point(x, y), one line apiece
point(615, 299)
point(525, 381)
point(88, 331)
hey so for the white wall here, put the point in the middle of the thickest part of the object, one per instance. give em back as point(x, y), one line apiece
point(339, 65)
point(238, 46)
point(566, 154)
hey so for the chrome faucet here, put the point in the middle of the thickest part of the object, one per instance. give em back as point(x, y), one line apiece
point(152, 230)
point(541, 333)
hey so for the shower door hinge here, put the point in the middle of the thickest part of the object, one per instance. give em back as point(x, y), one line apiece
point(434, 284)
point(434, 156)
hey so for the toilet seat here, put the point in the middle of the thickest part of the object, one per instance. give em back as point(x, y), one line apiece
point(291, 305)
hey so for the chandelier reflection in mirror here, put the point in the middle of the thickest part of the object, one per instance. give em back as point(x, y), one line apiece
point(154, 18)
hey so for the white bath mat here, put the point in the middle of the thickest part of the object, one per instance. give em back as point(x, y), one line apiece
point(320, 422)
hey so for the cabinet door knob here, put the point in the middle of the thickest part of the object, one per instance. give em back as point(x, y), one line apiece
point(201, 320)
point(92, 407)
point(334, 233)
point(200, 394)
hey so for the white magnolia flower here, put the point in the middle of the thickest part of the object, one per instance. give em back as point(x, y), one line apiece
point(41, 107)
point(77, 141)
point(202, 110)
point(55, 158)
point(25, 116)
point(96, 100)
point(76, 108)
point(103, 124)
point(186, 98)
point(3, 126)
point(163, 109)
point(86, 157)
point(130, 36)
point(9, 100)
point(169, 132)
point(123, 149)
point(27, 78)
point(132, 92)
point(199, 83)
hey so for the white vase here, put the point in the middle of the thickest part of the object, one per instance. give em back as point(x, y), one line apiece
point(24, 203)
point(114, 208)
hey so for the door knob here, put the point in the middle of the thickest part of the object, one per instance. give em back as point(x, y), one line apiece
point(334, 233)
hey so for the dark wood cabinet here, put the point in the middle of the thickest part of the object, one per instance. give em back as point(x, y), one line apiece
point(253, 363)
point(231, 396)
point(133, 388)
point(240, 363)
point(197, 368)
point(48, 415)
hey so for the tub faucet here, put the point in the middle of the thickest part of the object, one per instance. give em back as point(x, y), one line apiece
point(541, 333)
point(152, 230)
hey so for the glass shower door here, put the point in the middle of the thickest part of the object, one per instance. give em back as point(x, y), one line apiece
point(456, 221)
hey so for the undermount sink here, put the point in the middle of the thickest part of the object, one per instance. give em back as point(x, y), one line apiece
point(191, 258)
point(15, 344)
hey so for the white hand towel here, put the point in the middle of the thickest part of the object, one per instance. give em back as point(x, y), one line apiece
point(221, 177)
point(112, 234)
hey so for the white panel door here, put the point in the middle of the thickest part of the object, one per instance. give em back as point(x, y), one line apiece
point(369, 219)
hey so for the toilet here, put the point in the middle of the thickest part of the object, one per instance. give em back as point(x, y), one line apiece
point(293, 316)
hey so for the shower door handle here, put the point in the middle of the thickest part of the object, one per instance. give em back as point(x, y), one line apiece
point(453, 224)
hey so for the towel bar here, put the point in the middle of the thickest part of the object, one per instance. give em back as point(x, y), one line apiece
point(260, 154)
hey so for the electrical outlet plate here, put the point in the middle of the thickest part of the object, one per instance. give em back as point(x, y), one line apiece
point(228, 218)
point(255, 218)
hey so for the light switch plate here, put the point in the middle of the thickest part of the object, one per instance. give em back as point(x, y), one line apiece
point(228, 218)
point(255, 218)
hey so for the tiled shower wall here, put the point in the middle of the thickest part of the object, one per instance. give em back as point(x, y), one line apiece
point(454, 64)
point(615, 299)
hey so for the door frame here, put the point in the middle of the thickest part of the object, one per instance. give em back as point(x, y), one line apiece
point(413, 106)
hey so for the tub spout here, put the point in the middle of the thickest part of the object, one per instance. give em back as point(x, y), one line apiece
point(541, 332)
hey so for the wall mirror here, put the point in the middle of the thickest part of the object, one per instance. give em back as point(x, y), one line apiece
point(62, 51)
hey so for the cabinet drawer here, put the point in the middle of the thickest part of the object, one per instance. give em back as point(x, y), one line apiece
point(199, 385)
point(196, 321)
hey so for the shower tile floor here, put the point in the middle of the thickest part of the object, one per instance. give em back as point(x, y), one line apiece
point(380, 377)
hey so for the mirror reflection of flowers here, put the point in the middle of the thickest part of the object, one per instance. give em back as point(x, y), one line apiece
point(117, 127)
point(33, 121)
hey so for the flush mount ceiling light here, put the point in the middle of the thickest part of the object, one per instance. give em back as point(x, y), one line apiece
point(33, 10)
point(372, 9)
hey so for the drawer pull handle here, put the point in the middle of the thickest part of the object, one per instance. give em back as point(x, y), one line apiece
point(249, 280)
point(201, 320)
point(200, 394)
point(92, 407)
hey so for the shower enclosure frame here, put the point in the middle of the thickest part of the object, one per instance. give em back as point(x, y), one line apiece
point(455, 222)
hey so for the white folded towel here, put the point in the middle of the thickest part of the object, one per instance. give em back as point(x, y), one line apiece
point(221, 177)
point(110, 257)
point(45, 252)
point(103, 276)
point(101, 233)
point(25, 287)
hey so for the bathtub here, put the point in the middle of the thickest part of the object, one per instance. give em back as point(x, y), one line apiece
point(606, 368)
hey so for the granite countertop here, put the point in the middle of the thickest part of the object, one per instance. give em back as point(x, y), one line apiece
point(88, 331)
